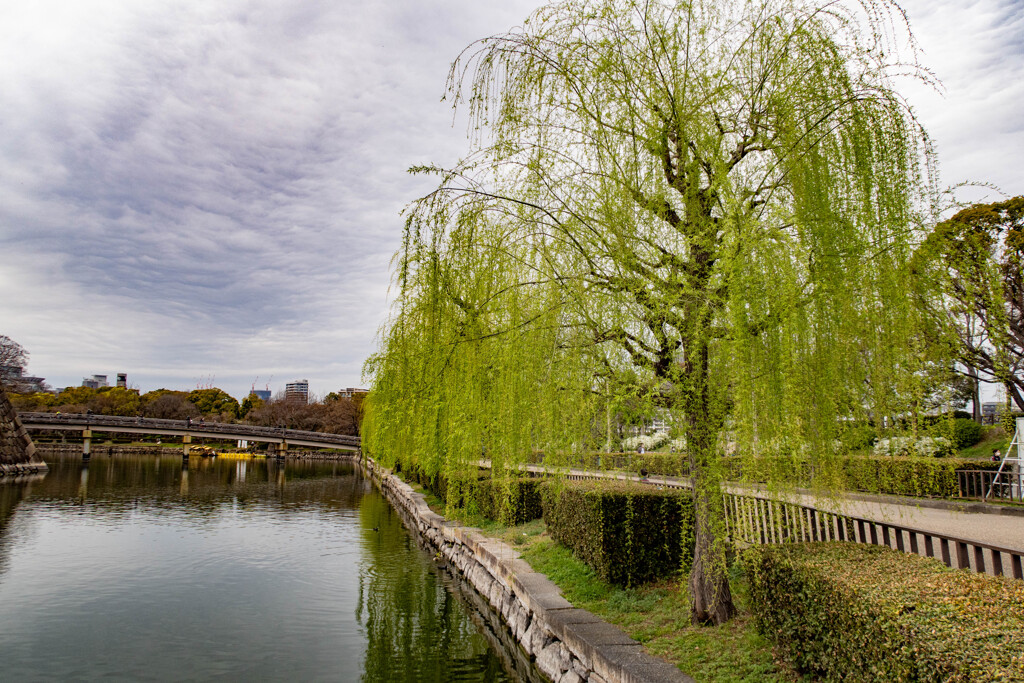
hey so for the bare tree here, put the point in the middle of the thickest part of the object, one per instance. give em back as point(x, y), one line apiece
point(13, 359)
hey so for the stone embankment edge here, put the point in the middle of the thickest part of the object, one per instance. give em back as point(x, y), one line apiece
point(569, 645)
point(20, 443)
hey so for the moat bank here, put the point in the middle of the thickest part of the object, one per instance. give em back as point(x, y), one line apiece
point(569, 645)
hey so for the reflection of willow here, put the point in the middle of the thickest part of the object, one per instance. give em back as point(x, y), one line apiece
point(416, 630)
point(123, 483)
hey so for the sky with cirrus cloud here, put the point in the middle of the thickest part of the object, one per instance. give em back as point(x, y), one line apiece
point(208, 191)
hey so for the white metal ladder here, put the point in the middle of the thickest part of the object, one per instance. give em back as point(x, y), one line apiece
point(1015, 462)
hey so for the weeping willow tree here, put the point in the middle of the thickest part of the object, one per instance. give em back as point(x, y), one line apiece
point(715, 200)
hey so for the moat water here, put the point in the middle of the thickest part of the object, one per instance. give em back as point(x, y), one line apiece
point(137, 568)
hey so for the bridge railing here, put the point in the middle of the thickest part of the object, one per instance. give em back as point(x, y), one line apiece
point(755, 519)
point(194, 427)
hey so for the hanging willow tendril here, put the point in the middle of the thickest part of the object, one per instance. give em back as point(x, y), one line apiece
point(704, 206)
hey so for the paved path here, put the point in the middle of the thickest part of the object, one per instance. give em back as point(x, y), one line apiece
point(993, 524)
point(1005, 530)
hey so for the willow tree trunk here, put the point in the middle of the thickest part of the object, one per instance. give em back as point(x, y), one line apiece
point(709, 579)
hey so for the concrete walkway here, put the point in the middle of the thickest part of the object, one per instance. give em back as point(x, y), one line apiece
point(999, 525)
point(993, 524)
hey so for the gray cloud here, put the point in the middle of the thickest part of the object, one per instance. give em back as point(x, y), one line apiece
point(212, 188)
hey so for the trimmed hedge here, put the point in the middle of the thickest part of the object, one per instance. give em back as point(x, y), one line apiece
point(898, 476)
point(847, 612)
point(919, 477)
point(509, 501)
point(628, 533)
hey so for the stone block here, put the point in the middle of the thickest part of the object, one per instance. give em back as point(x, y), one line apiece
point(570, 676)
point(559, 620)
point(538, 637)
point(472, 538)
point(586, 638)
point(513, 566)
point(538, 593)
point(519, 622)
point(431, 518)
point(630, 664)
point(550, 661)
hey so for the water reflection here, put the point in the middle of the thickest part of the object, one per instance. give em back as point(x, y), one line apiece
point(416, 630)
point(253, 568)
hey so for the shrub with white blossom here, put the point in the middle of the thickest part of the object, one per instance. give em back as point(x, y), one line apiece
point(923, 447)
point(649, 442)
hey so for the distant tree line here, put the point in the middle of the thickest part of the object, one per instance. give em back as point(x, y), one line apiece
point(333, 414)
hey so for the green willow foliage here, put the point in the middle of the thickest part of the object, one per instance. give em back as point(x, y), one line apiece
point(707, 206)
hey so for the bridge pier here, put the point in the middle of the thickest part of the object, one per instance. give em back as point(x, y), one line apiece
point(186, 443)
point(86, 444)
point(282, 450)
point(83, 482)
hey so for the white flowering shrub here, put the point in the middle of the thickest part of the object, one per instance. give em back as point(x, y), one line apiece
point(649, 442)
point(924, 447)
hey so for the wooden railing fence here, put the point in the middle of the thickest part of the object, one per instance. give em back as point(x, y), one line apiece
point(755, 519)
point(976, 483)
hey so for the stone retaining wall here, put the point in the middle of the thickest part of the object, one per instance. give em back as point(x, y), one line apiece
point(569, 645)
point(17, 452)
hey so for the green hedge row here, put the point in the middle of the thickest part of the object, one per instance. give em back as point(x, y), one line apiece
point(665, 464)
point(509, 501)
point(846, 612)
point(921, 477)
point(898, 476)
point(628, 533)
point(902, 476)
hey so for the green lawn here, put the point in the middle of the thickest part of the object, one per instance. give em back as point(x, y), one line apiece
point(658, 616)
point(991, 439)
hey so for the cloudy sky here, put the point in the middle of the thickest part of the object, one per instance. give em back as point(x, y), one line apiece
point(207, 192)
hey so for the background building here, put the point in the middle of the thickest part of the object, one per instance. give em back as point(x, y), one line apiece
point(15, 379)
point(95, 382)
point(297, 390)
